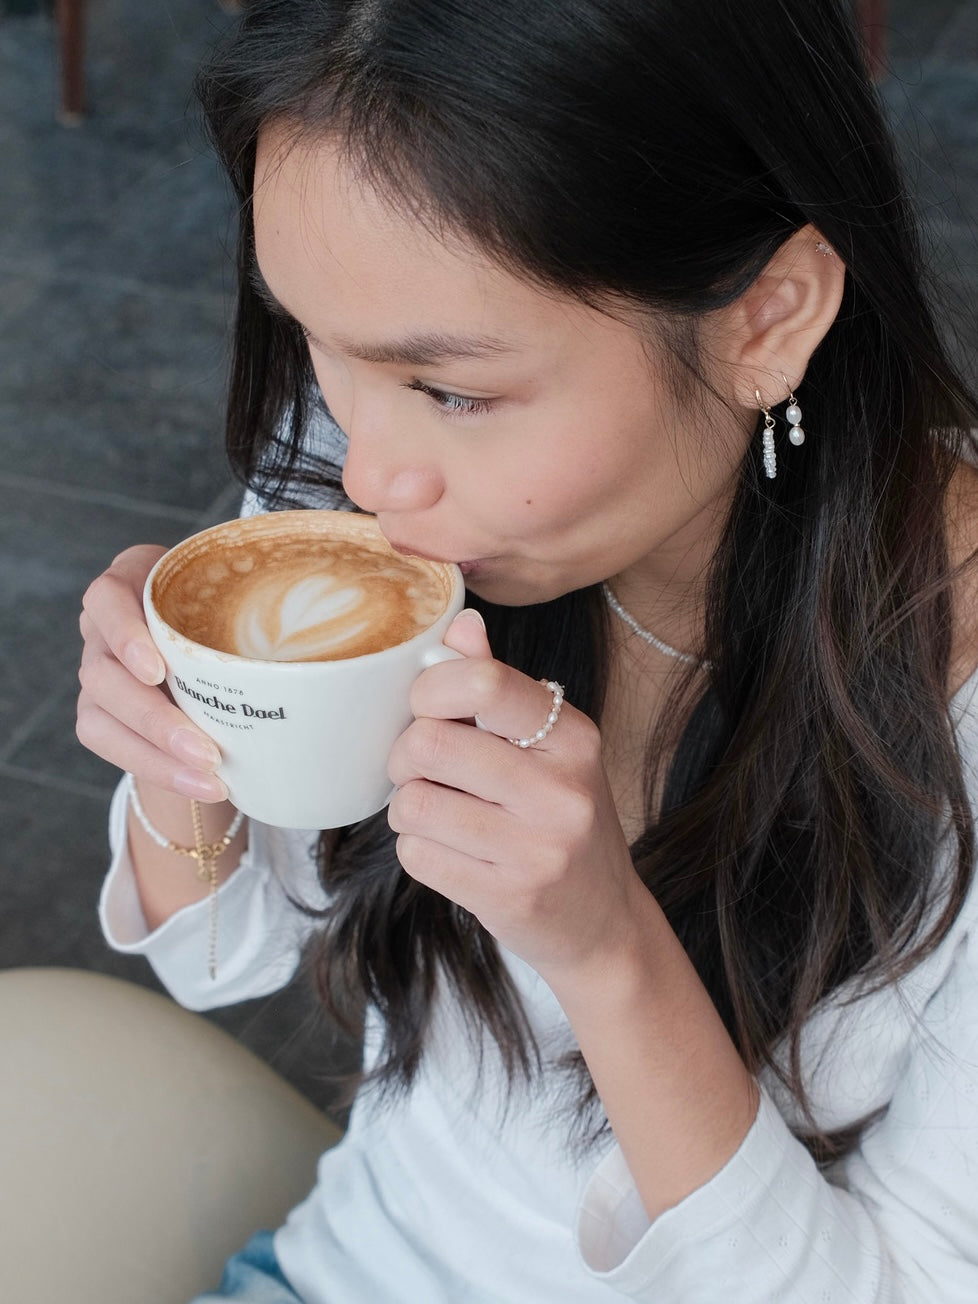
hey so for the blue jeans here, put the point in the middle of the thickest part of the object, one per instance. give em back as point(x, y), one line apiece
point(253, 1275)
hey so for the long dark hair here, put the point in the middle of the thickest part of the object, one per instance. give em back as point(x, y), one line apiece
point(816, 825)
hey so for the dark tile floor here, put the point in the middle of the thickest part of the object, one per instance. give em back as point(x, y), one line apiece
point(113, 320)
point(114, 280)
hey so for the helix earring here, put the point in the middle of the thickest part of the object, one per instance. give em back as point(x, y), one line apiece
point(767, 439)
point(792, 414)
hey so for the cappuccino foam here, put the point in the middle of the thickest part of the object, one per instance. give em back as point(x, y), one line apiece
point(300, 596)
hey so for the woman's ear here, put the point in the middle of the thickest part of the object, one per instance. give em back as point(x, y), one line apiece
point(769, 334)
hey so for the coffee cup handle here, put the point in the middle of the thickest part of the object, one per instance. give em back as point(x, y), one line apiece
point(440, 653)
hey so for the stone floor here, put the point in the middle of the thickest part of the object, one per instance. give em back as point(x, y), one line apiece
point(113, 313)
point(114, 308)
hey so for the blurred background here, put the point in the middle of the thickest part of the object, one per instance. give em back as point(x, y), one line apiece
point(115, 286)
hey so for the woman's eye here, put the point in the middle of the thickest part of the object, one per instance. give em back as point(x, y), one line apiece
point(452, 404)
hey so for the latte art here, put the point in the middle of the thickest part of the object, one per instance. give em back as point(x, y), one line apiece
point(301, 596)
point(305, 623)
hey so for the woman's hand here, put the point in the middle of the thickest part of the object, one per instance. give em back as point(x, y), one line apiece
point(125, 714)
point(528, 840)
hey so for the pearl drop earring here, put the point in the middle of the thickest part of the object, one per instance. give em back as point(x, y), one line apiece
point(792, 414)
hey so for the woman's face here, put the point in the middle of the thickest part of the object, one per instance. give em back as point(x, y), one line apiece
point(527, 437)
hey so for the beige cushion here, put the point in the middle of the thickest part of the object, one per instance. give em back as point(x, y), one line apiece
point(139, 1144)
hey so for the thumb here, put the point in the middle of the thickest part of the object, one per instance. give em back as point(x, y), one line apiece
point(467, 634)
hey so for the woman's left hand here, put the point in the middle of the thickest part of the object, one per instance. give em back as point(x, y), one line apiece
point(526, 839)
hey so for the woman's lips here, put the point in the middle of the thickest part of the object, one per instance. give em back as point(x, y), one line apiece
point(466, 567)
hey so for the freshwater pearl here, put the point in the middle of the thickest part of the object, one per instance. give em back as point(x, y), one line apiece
point(793, 415)
point(796, 435)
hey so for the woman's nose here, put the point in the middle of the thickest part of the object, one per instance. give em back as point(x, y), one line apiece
point(385, 472)
point(375, 490)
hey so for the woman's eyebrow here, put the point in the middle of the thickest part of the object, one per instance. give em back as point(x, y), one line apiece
point(426, 348)
point(423, 349)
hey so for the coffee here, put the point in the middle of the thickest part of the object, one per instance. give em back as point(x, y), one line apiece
point(295, 587)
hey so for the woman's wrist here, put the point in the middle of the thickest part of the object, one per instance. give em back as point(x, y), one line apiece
point(170, 877)
point(676, 1092)
point(202, 820)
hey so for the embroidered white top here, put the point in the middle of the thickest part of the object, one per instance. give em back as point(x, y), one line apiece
point(447, 1195)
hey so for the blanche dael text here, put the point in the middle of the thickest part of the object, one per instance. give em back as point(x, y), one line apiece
point(231, 708)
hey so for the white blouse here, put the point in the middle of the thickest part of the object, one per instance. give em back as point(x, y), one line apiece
point(458, 1192)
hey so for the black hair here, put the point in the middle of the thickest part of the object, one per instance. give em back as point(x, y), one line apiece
point(816, 825)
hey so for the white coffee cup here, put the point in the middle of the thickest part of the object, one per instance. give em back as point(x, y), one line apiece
point(305, 743)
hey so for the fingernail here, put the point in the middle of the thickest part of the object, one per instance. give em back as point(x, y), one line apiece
point(200, 787)
point(145, 663)
point(195, 749)
point(470, 613)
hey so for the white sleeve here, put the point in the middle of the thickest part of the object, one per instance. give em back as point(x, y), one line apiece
point(260, 931)
point(897, 1223)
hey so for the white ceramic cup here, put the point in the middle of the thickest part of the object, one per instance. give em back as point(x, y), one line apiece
point(305, 744)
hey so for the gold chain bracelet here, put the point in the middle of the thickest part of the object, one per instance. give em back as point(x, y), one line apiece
point(206, 854)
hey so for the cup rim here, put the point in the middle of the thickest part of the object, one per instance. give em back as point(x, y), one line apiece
point(451, 570)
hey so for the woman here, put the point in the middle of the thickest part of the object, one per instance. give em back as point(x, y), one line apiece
point(677, 1000)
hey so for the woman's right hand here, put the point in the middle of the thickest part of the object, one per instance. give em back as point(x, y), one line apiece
point(125, 712)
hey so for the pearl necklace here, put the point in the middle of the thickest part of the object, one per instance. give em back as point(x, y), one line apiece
point(646, 635)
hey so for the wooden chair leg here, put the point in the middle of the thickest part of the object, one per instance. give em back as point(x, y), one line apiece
point(69, 19)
